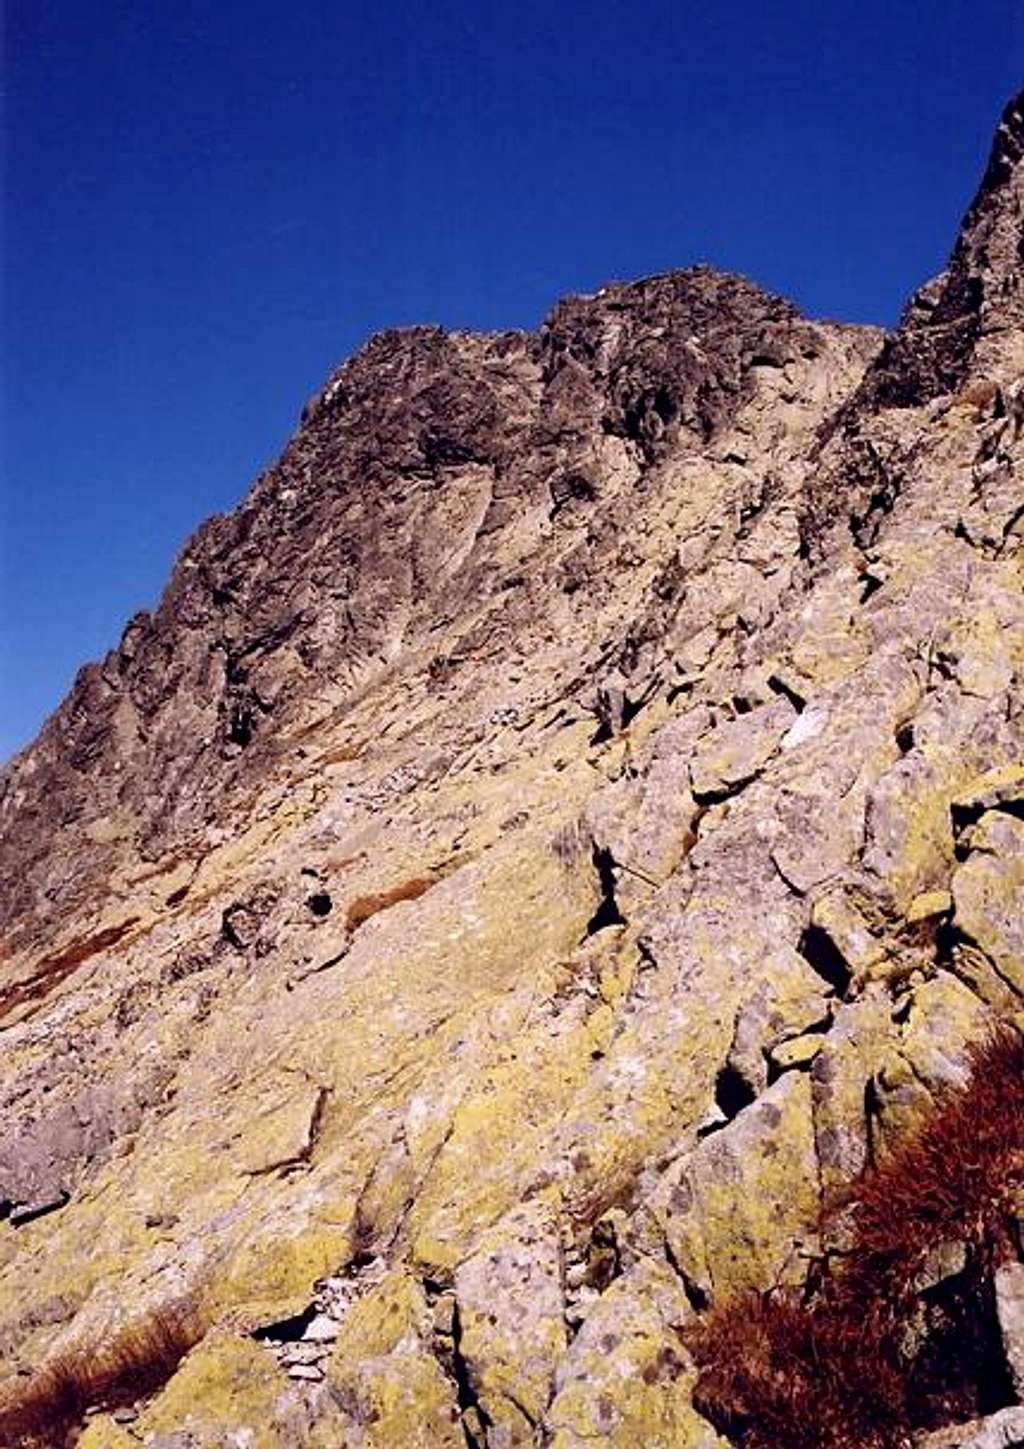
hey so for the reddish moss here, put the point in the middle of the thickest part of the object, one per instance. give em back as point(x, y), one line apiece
point(51, 970)
point(341, 754)
point(363, 907)
point(163, 867)
point(47, 1411)
point(828, 1368)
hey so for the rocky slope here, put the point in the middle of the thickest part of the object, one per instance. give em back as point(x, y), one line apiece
point(560, 827)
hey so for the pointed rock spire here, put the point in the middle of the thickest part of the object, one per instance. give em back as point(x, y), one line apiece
point(961, 323)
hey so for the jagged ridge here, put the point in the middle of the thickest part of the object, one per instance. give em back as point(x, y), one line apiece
point(554, 835)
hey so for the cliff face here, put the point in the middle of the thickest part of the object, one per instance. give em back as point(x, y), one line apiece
point(559, 828)
point(444, 494)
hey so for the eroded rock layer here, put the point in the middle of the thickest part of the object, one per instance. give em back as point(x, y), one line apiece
point(555, 832)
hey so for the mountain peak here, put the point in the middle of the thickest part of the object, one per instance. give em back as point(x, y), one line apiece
point(545, 847)
point(1006, 154)
point(961, 323)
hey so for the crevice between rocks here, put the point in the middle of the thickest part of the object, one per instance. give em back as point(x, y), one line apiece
point(470, 1406)
point(779, 686)
point(286, 1330)
point(607, 913)
point(726, 792)
point(951, 940)
point(825, 959)
point(20, 1214)
point(732, 1092)
point(697, 1298)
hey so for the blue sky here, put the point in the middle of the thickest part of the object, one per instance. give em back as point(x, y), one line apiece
point(207, 206)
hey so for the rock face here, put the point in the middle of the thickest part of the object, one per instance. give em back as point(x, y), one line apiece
point(560, 826)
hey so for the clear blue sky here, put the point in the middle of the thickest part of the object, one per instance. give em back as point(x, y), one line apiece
point(207, 206)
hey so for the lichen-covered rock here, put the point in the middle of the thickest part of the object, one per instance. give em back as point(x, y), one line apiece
point(559, 829)
point(103, 1433)
point(1001, 1430)
point(743, 1207)
point(836, 917)
point(626, 1379)
point(647, 824)
point(511, 1321)
point(1009, 1286)
point(736, 751)
point(841, 1089)
point(384, 1377)
point(988, 894)
point(936, 1021)
point(227, 1390)
point(788, 1001)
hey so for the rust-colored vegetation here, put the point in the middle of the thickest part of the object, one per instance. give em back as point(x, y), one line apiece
point(979, 395)
point(363, 907)
point(845, 1364)
point(47, 1411)
point(51, 970)
point(336, 863)
point(164, 866)
point(341, 754)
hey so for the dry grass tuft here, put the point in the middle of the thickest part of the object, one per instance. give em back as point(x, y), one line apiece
point(363, 907)
point(47, 1411)
point(830, 1368)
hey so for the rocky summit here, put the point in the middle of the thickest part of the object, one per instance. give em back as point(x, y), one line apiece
point(563, 827)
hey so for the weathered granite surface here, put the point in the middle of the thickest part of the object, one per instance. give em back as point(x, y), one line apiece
point(562, 824)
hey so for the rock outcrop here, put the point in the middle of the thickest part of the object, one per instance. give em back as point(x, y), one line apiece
point(566, 822)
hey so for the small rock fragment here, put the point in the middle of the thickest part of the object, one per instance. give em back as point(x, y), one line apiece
point(928, 905)
point(306, 1371)
point(800, 1051)
point(321, 1329)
